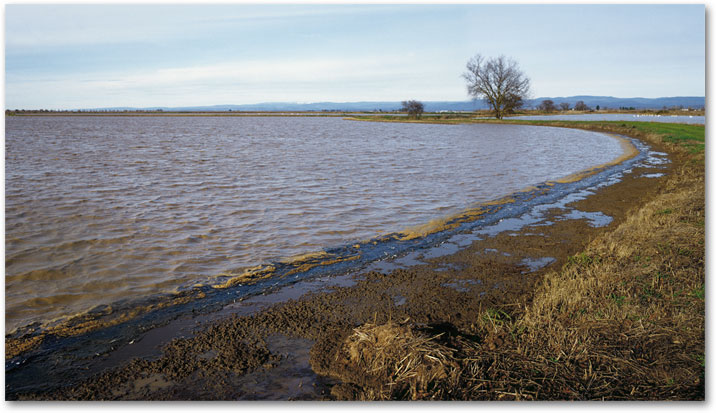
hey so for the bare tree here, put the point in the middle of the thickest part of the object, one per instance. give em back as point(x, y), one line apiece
point(498, 81)
point(547, 105)
point(564, 106)
point(581, 106)
point(513, 103)
point(413, 107)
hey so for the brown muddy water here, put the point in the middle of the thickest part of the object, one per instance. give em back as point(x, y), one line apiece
point(104, 209)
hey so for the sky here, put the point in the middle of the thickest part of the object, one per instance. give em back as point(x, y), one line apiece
point(135, 55)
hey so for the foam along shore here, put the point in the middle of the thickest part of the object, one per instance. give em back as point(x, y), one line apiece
point(474, 305)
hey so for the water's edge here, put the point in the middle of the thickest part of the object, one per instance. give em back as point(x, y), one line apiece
point(102, 331)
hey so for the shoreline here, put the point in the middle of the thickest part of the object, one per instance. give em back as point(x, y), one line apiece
point(25, 338)
point(419, 302)
point(466, 114)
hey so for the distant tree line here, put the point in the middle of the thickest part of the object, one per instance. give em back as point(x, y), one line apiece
point(548, 105)
point(27, 111)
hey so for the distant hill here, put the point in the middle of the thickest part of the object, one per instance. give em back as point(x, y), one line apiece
point(437, 106)
point(318, 106)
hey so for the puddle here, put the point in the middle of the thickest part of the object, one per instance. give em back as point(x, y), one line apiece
point(449, 266)
point(464, 240)
point(446, 248)
point(543, 224)
point(535, 264)
point(654, 159)
point(594, 219)
point(399, 300)
point(462, 286)
point(412, 259)
point(654, 175)
point(388, 265)
point(510, 224)
point(256, 303)
point(662, 156)
point(209, 355)
point(610, 181)
point(495, 251)
point(526, 234)
point(381, 267)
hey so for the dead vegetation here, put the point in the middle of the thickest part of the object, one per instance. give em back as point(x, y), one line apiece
point(392, 361)
point(622, 320)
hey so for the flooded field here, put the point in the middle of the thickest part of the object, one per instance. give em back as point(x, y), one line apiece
point(697, 120)
point(104, 209)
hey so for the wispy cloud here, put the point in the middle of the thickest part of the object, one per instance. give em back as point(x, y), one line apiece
point(82, 25)
point(269, 71)
point(364, 78)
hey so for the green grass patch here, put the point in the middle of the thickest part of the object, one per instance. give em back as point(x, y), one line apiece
point(618, 299)
point(582, 259)
point(701, 358)
point(699, 293)
point(695, 148)
point(691, 137)
point(496, 317)
point(673, 132)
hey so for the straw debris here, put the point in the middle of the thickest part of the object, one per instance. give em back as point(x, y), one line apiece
point(391, 361)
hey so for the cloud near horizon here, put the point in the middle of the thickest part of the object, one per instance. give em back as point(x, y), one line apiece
point(238, 82)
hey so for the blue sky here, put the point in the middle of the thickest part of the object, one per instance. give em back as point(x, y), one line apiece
point(85, 56)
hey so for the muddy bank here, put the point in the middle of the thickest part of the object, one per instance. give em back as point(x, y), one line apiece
point(258, 350)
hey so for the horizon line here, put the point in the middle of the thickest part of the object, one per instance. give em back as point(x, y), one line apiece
point(343, 102)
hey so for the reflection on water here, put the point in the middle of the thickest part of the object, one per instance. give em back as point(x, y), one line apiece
point(103, 209)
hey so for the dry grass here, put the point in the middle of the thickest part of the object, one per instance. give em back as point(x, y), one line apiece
point(393, 361)
point(627, 314)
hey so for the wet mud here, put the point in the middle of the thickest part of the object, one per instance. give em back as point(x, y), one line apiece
point(278, 345)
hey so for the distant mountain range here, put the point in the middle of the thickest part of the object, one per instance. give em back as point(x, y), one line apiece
point(437, 106)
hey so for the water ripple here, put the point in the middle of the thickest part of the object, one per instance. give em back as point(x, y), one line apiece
point(102, 209)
